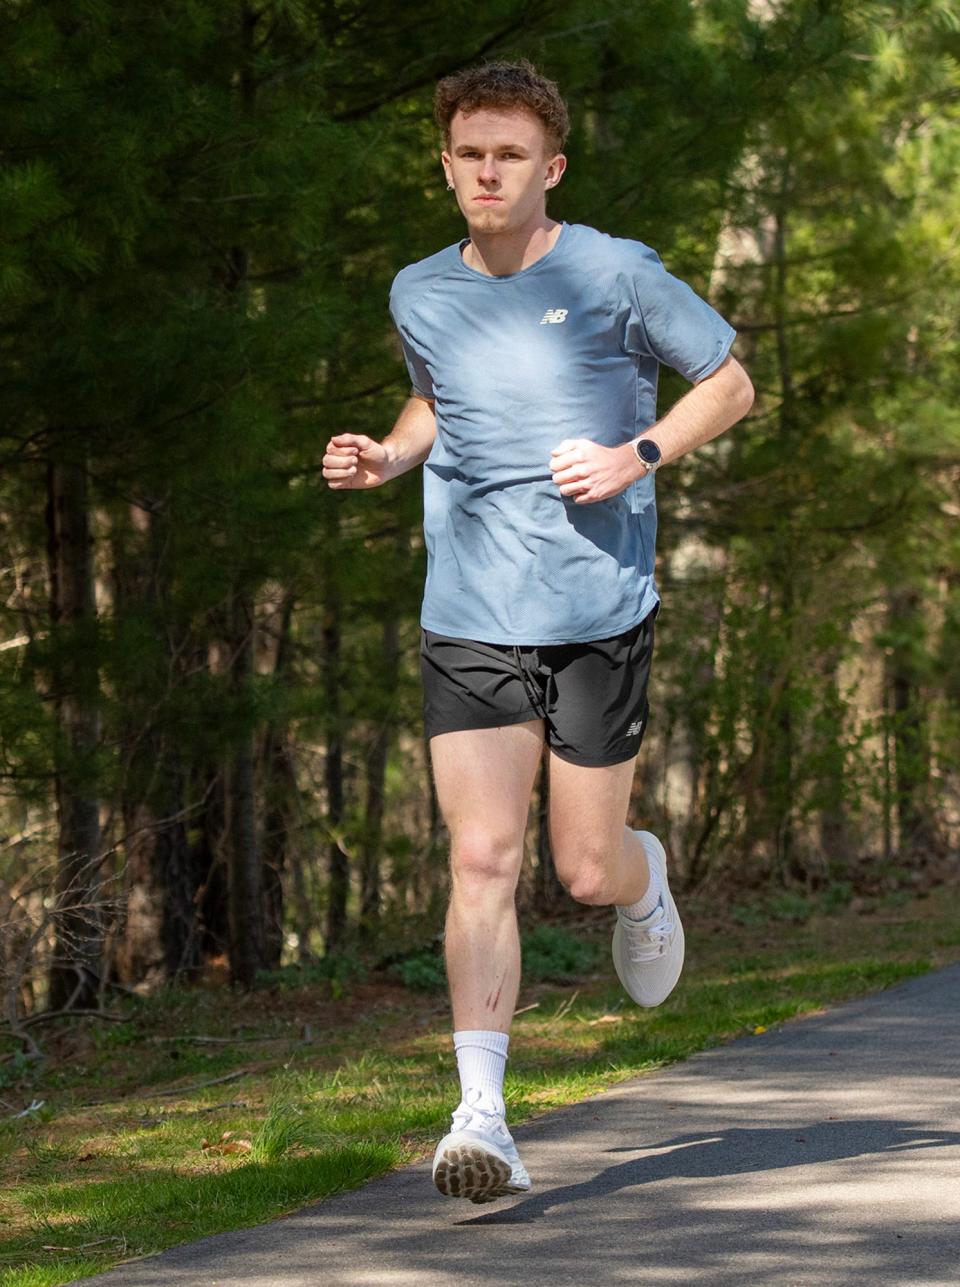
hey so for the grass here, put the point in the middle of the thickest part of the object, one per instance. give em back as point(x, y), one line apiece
point(109, 1169)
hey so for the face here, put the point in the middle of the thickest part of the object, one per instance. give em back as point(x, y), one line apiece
point(501, 168)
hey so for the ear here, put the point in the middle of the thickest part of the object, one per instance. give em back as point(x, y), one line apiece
point(555, 169)
point(447, 168)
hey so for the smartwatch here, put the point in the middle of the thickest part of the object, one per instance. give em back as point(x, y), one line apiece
point(648, 453)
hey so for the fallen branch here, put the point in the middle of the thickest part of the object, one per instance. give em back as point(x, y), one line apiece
point(198, 1085)
point(148, 1093)
point(218, 1108)
point(219, 1041)
point(33, 1107)
point(83, 1246)
point(46, 1015)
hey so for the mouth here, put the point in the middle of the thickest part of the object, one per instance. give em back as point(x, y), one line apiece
point(486, 200)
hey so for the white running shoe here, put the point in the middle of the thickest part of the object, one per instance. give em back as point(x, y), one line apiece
point(648, 954)
point(478, 1159)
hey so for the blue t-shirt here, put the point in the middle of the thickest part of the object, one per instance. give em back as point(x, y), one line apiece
point(567, 348)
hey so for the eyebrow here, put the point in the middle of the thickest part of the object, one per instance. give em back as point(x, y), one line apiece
point(500, 147)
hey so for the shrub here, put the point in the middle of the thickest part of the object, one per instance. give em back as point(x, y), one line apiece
point(552, 954)
point(339, 969)
point(423, 972)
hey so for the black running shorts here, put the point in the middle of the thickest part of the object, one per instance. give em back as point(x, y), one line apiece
point(591, 696)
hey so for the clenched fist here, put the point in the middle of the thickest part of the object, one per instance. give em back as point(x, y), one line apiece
point(353, 460)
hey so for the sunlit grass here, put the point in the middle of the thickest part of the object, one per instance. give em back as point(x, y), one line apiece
point(89, 1184)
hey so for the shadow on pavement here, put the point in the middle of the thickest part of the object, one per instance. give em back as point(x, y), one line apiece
point(737, 1151)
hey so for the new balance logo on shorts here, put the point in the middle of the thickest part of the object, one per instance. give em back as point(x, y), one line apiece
point(554, 315)
point(635, 728)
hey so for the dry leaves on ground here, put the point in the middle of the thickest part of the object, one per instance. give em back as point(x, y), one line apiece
point(226, 1144)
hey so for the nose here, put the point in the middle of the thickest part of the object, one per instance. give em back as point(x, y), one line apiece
point(488, 171)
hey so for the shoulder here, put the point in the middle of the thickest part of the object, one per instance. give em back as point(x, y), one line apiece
point(601, 252)
point(412, 282)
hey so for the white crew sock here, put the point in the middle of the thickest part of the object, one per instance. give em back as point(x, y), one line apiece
point(644, 906)
point(482, 1061)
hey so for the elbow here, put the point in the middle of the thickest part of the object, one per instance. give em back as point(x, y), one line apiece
point(733, 386)
point(746, 394)
point(739, 388)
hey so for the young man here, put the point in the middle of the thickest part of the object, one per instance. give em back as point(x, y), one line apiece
point(533, 347)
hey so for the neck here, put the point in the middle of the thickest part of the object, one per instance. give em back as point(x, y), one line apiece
point(500, 253)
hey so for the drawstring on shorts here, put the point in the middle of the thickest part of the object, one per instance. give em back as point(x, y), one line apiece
point(534, 696)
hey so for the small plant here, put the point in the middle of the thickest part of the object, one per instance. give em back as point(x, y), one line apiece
point(552, 954)
point(284, 1127)
point(16, 1067)
point(837, 895)
point(120, 1034)
point(423, 972)
point(791, 907)
point(336, 970)
point(749, 915)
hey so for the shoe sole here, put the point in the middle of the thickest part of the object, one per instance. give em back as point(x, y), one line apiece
point(470, 1171)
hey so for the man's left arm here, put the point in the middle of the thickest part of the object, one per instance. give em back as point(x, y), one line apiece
point(587, 471)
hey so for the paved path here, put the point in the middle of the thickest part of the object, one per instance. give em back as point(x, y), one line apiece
point(820, 1154)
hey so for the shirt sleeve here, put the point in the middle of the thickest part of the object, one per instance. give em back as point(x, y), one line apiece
point(416, 364)
point(668, 320)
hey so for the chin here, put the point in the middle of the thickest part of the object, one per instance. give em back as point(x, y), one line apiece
point(489, 221)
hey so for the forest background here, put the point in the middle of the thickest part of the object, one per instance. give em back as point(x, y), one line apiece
point(211, 743)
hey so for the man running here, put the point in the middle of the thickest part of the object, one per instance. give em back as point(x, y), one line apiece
point(533, 347)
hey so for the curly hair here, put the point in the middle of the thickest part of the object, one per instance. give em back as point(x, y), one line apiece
point(503, 84)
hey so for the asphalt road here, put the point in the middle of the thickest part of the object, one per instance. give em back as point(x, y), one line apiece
point(823, 1153)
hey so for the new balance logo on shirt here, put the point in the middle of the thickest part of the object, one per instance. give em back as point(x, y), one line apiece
point(554, 315)
point(634, 728)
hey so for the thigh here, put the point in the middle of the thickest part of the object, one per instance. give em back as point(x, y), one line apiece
point(484, 778)
point(471, 685)
point(587, 814)
point(596, 693)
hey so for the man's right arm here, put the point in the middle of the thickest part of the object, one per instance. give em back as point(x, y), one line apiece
point(354, 461)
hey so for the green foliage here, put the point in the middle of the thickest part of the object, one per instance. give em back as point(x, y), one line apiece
point(341, 968)
point(18, 1065)
point(551, 954)
point(198, 240)
point(421, 972)
point(284, 1128)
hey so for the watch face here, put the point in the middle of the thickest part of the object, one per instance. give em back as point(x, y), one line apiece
point(648, 451)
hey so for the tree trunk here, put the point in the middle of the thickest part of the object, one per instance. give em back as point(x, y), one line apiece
point(911, 734)
point(74, 970)
point(835, 832)
point(337, 862)
point(780, 768)
point(209, 862)
point(244, 877)
point(159, 938)
point(280, 792)
point(376, 778)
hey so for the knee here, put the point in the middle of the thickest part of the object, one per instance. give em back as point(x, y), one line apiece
point(586, 875)
point(590, 885)
point(481, 859)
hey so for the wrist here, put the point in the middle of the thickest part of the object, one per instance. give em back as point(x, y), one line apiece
point(646, 454)
point(391, 460)
point(634, 469)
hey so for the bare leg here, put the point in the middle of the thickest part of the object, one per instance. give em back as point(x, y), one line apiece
point(484, 778)
point(597, 856)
